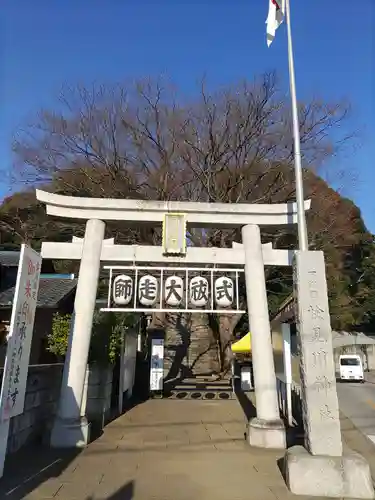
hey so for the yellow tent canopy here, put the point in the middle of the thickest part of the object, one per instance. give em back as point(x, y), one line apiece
point(242, 346)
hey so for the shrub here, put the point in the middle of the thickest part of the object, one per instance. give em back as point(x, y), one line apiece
point(106, 335)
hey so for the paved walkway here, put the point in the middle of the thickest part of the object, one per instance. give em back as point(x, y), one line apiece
point(161, 449)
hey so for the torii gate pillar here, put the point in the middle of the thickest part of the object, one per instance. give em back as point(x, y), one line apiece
point(267, 430)
point(70, 429)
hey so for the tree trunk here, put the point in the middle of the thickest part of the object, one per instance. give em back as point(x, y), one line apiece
point(226, 324)
point(157, 320)
point(176, 346)
point(190, 346)
point(203, 351)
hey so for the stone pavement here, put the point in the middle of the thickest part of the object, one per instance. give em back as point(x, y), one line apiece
point(159, 450)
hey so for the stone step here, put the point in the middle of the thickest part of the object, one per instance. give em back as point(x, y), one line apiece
point(205, 380)
point(202, 386)
point(195, 394)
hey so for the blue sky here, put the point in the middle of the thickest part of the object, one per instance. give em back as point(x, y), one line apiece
point(48, 43)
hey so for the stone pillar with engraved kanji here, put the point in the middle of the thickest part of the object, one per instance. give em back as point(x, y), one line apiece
point(321, 468)
point(317, 369)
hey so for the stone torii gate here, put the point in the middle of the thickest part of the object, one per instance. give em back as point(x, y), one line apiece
point(70, 428)
point(323, 452)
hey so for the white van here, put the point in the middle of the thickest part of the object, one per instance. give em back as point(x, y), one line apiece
point(351, 367)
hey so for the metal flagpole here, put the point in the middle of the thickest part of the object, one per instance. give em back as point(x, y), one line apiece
point(301, 219)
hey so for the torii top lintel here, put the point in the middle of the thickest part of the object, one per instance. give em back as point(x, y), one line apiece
point(147, 211)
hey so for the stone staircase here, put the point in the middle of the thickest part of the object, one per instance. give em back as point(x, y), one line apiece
point(199, 387)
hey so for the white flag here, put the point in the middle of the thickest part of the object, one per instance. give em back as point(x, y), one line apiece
point(276, 13)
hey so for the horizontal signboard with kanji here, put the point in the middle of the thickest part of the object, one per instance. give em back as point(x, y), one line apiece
point(183, 289)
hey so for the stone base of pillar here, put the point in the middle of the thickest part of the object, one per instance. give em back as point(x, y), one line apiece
point(70, 433)
point(347, 476)
point(266, 433)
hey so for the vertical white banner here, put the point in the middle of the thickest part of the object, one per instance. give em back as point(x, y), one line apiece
point(157, 365)
point(287, 356)
point(16, 366)
point(128, 361)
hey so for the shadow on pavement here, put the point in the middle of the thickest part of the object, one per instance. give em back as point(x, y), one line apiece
point(294, 435)
point(124, 493)
point(35, 463)
point(26, 469)
point(246, 404)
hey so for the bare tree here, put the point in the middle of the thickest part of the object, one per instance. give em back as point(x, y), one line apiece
point(145, 141)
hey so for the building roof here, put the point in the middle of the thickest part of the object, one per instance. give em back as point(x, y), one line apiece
point(342, 339)
point(9, 258)
point(286, 311)
point(51, 292)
